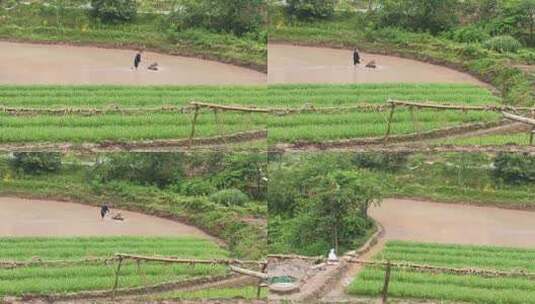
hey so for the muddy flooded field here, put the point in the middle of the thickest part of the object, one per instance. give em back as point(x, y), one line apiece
point(24, 63)
point(299, 64)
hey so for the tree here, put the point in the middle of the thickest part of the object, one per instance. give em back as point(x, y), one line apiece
point(526, 9)
point(113, 11)
point(311, 9)
point(422, 15)
point(339, 199)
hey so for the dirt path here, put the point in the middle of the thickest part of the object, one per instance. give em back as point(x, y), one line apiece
point(24, 63)
point(23, 217)
point(411, 220)
point(299, 64)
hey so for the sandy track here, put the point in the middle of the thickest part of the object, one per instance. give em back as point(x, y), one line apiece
point(25, 218)
point(300, 64)
point(23, 63)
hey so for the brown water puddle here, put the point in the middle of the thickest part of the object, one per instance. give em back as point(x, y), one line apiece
point(25, 218)
point(22, 63)
point(412, 220)
point(299, 64)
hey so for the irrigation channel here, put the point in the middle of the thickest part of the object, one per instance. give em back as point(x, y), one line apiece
point(300, 64)
point(44, 218)
point(24, 63)
point(424, 221)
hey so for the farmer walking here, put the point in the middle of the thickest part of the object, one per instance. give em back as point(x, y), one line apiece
point(137, 59)
point(356, 57)
point(104, 209)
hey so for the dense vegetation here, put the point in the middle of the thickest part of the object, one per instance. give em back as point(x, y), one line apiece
point(317, 201)
point(76, 277)
point(179, 186)
point(450, 287)
point(486, 38)
point(182, 27)
point(282, 128)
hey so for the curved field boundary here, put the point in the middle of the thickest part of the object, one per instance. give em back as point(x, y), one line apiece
point(176, 285)
point(432, 134)
point(154, 145)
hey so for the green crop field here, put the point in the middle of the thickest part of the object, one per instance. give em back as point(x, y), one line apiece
point(315, 127)
point(76, 277)
point(490, 140)
point(451, 287)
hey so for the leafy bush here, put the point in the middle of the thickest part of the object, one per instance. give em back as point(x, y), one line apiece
point(390, 162)
point(36, 162)
point(432, 16)
point(159, 169)
point(196, 187)
point(230, 197)
point(527, 56)
point(503, 44)
point(514, 168)
point(311, 9)
point(114, 11)
point(469, 34)
point(232, 16)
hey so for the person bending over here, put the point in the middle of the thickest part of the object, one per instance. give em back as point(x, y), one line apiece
point(356, 57)
point(104, 209)
point(137, 59)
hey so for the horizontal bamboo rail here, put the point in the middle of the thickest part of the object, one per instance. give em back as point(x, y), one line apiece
point(428, 105)
point(522, 119)
point(95, 111)
point(174, 260)
point(295, 257)
point(440, 269)
point(249, 273)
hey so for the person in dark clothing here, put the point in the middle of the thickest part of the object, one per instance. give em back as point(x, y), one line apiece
point(137, 59)
point(104, 209)
point(356, 56)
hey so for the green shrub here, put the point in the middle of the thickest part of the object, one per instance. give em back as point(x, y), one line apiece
point(230, 197)
point(159, 169)
point(114, 11)
point(390, 162)
point(36, 162)
point(527, 56)
point(514, 168)
point(196, 187)
point(311, 9)
point(469, 34)
point(231, 16)
point(503, 44)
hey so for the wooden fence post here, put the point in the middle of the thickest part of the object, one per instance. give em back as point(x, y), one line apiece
point(116, 283)
point(389, 125)
point(193, 123)
point(531, 136)
point(387, 281)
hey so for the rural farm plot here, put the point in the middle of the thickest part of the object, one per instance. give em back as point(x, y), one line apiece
point(448, 286)
point(88, 264)
point(94, 114)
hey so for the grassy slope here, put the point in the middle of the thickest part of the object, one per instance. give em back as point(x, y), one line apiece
point(36, 24)
point(100, 276)
point(450, 287)
point(351, 31)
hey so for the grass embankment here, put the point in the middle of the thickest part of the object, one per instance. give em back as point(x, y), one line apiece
point(315, 127)
point(450, 287)
point(459, 178)
point(354, 30)
point(76, 277)
point(37, 23)
point(245, 293)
